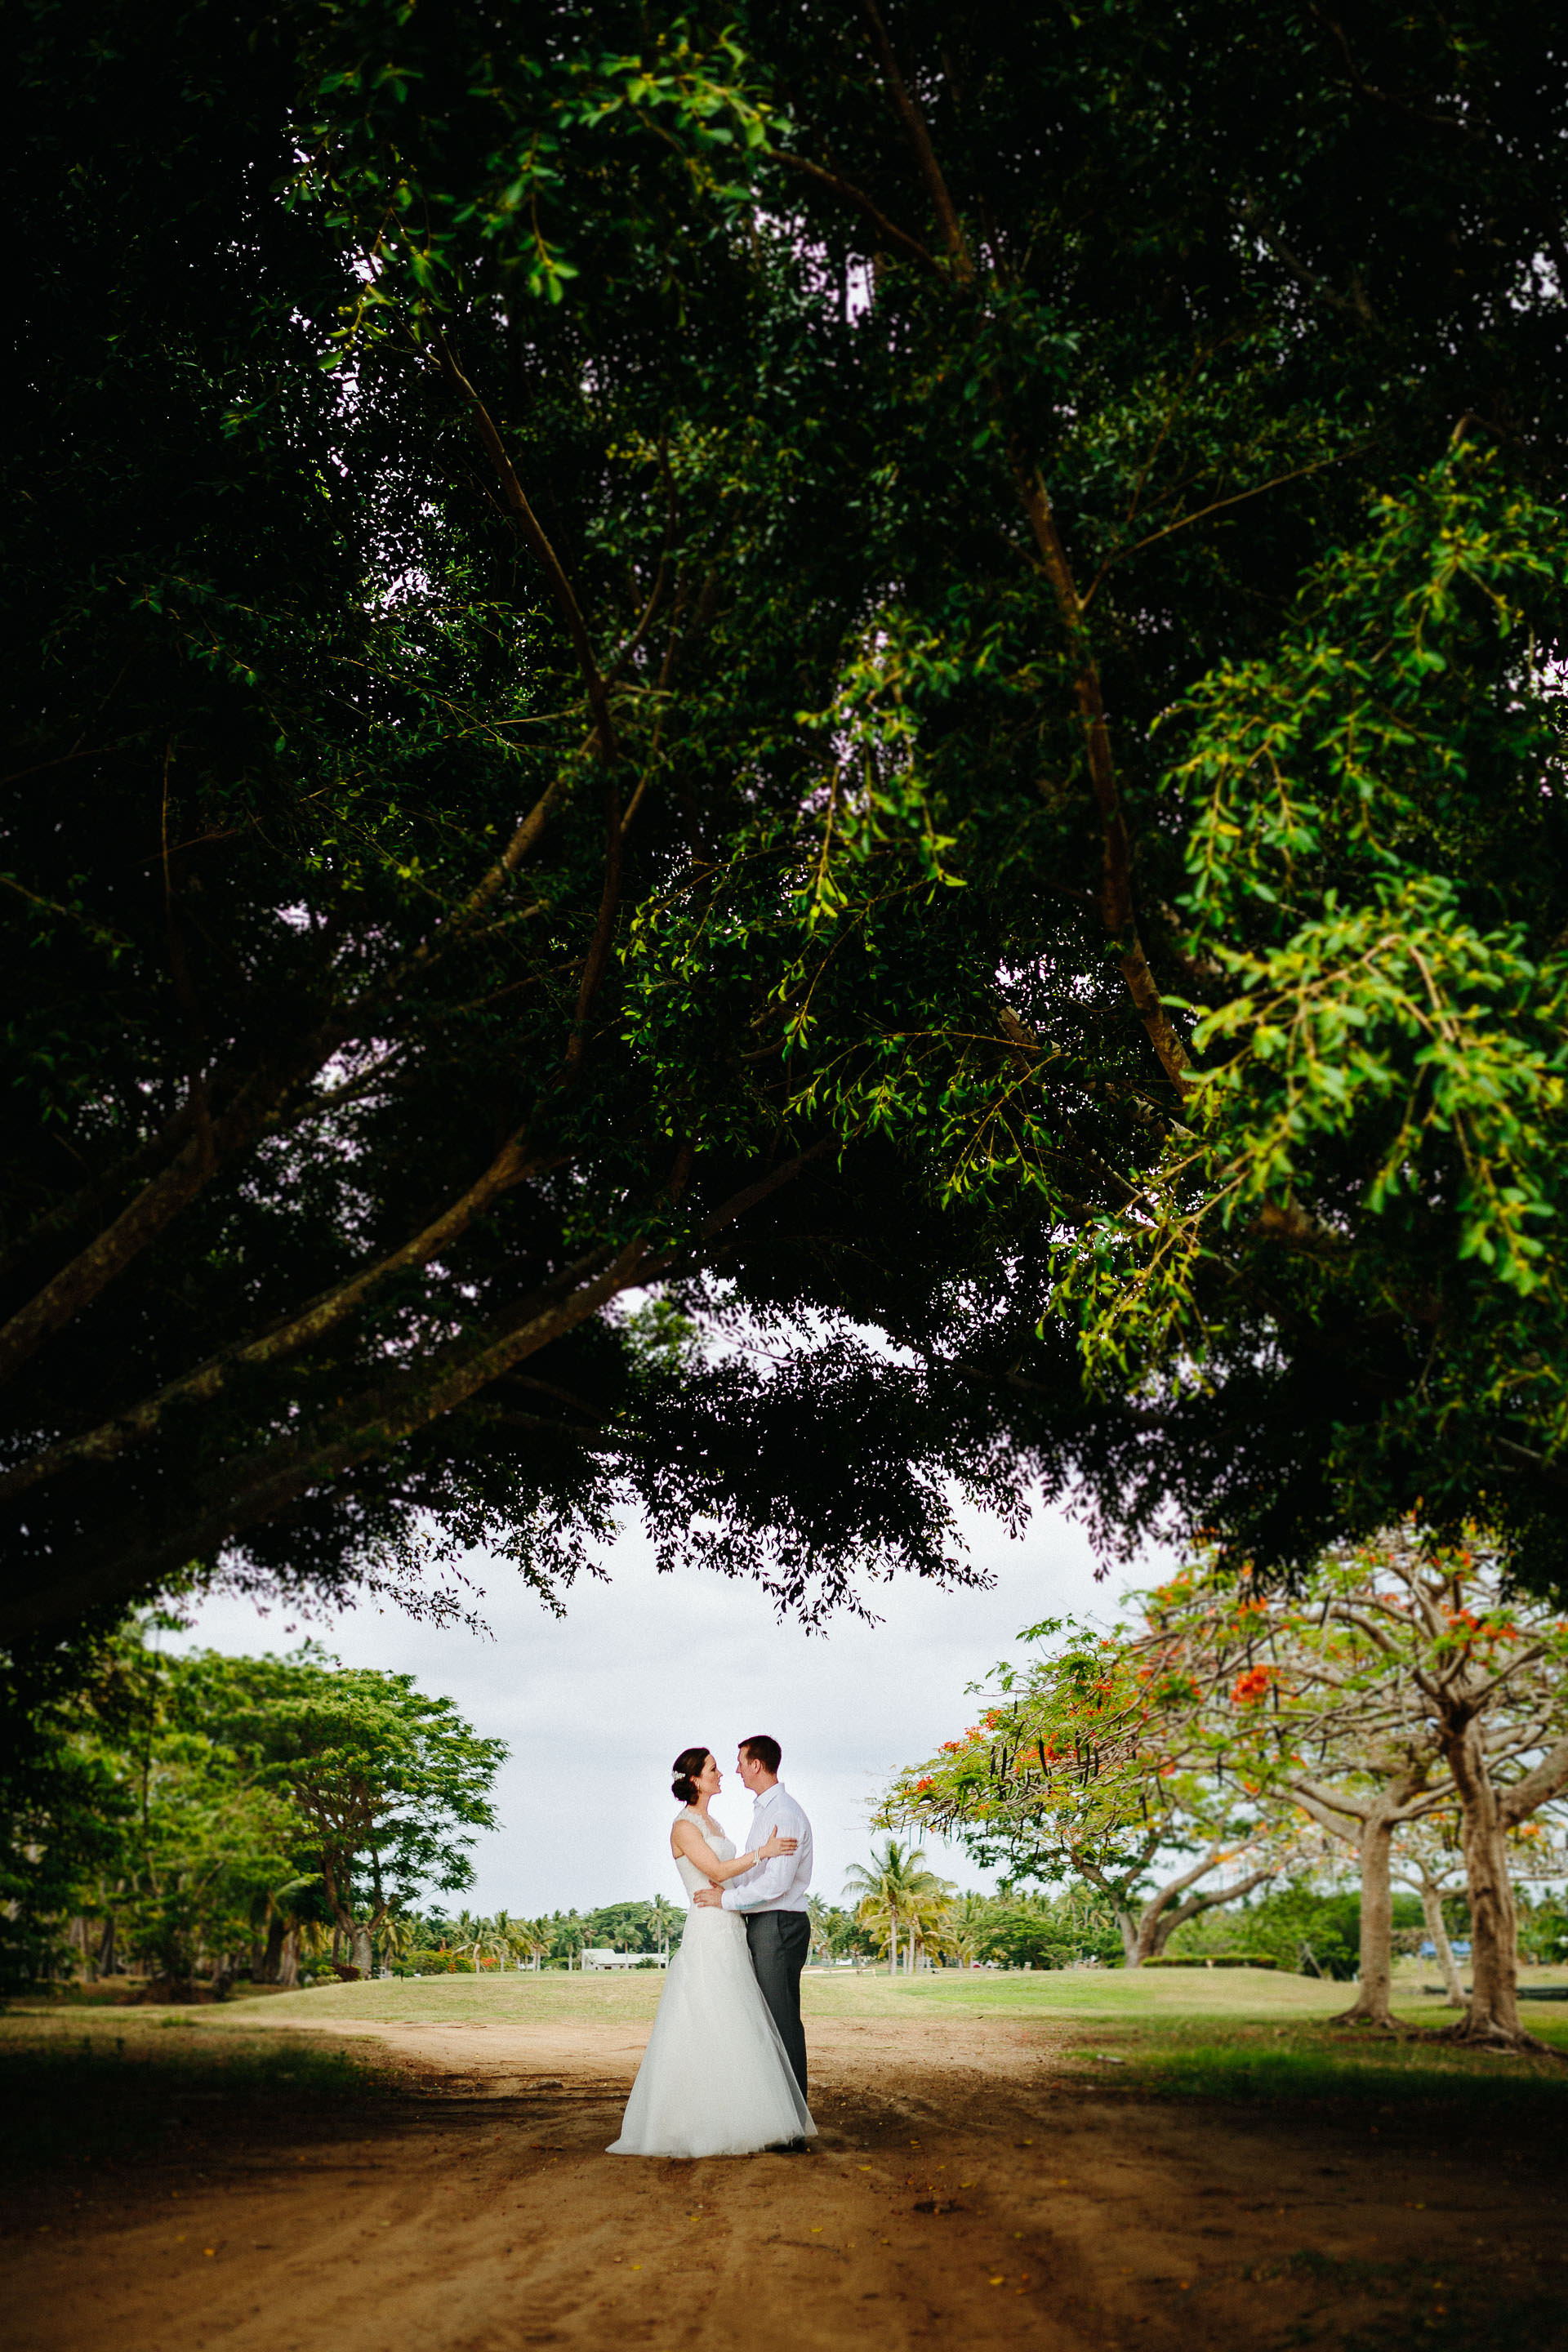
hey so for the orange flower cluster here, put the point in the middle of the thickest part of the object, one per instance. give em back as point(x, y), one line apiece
point(1251, 1688)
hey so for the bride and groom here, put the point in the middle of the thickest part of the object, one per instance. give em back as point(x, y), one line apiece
point(724, 2070)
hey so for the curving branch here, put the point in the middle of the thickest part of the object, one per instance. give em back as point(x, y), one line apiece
point(1117, 908)
point(252, 1492)
point(154, 1208)
point(531, 530)
point(914, 123)
point(888, 230)
point(510, 1166)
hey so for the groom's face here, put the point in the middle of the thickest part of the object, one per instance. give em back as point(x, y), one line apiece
point(750, 1770)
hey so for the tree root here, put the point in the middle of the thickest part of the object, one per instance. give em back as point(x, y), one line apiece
point(1365, 2018)
point(1498, 2039)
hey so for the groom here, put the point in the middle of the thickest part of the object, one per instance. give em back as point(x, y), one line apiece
point(772, 1897)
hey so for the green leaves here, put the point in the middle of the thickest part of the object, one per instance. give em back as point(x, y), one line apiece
point(622, 666)
point(1376, 841)
point(388, 1784)
point(1404, 717)
point(526, 145)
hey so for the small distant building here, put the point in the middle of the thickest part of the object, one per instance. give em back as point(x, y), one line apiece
point(599, 1957)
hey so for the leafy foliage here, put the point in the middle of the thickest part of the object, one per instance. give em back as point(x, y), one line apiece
point(888, 676)
point(388, 1785)
point(184, 1805)
point(1094, 1769)
point(1406, 1690)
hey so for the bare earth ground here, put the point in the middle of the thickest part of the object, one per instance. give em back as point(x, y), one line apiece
point(983, 2179)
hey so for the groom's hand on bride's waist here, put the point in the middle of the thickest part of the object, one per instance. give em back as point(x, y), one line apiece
point(709, 1898)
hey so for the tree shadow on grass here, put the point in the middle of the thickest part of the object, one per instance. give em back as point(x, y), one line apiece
point(1438, 2309)
point(123, 2109)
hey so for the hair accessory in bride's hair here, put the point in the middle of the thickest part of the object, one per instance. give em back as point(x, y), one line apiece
point(688, 1765)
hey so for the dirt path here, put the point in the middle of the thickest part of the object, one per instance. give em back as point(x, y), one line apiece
point(966, 2194)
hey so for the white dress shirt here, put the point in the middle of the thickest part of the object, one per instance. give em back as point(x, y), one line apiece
point(779, 1884)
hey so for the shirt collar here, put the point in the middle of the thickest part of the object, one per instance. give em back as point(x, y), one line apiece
point(768, 1795)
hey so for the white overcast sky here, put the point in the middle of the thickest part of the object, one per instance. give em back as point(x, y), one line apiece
point(593, 1706)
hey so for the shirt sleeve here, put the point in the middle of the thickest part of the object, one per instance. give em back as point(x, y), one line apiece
point(766, 1881)
point(761, 1883)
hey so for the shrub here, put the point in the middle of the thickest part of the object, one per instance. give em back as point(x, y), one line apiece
point(1213, 1960)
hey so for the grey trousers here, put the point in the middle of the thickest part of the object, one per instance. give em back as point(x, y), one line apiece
point(779, 1942)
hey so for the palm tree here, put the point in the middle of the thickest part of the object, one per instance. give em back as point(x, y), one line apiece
point(478, 1938)
point(274, 1928)
point(817, 1911)
point(885, 1893)
point(539, 1937)
point(396, 1937)
point(491, 1943)
point(662, 1915)
point(521, 1939)
point(930, 1915)
point(966, 1926)
point(905, 1906)
point(316, 1940)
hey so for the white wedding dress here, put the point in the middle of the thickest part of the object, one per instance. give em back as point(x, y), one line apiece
point(714, 2080)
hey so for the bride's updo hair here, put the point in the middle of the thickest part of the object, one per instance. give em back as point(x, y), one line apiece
point(688, 1765)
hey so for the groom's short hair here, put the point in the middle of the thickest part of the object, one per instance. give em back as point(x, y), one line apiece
point(763, 1752)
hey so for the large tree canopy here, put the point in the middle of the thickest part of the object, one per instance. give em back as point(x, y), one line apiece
point(372, 714)
point(874, 673)
point(1224, 354)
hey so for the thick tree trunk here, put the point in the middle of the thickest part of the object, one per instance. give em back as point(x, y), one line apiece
point(289, 1957)
point(1163, 1914)
point(1370, 2004)
point(1437, 1928)
point(108, 1958)
point(1155, 1933)
point(360, 1952)
point(1491, 2017)
point(1150, 1934)
point(266, 1970)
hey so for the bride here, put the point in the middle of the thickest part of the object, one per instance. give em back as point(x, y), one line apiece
point(714, 2080)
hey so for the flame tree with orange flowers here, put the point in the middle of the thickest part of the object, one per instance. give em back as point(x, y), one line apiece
point(1401, 1677)
point(1398, 1680)
point(1290, 1698)
point(1093, 1766)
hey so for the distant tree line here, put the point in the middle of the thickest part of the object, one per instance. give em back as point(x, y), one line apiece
point(430, 1943)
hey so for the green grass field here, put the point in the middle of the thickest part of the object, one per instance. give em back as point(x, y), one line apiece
point(1064, 1996)
point(1221, 2034)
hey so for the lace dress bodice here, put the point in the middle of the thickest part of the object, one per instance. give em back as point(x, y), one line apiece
point(691, 1878)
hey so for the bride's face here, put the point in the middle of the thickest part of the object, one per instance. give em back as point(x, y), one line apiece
point(710, 1780)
